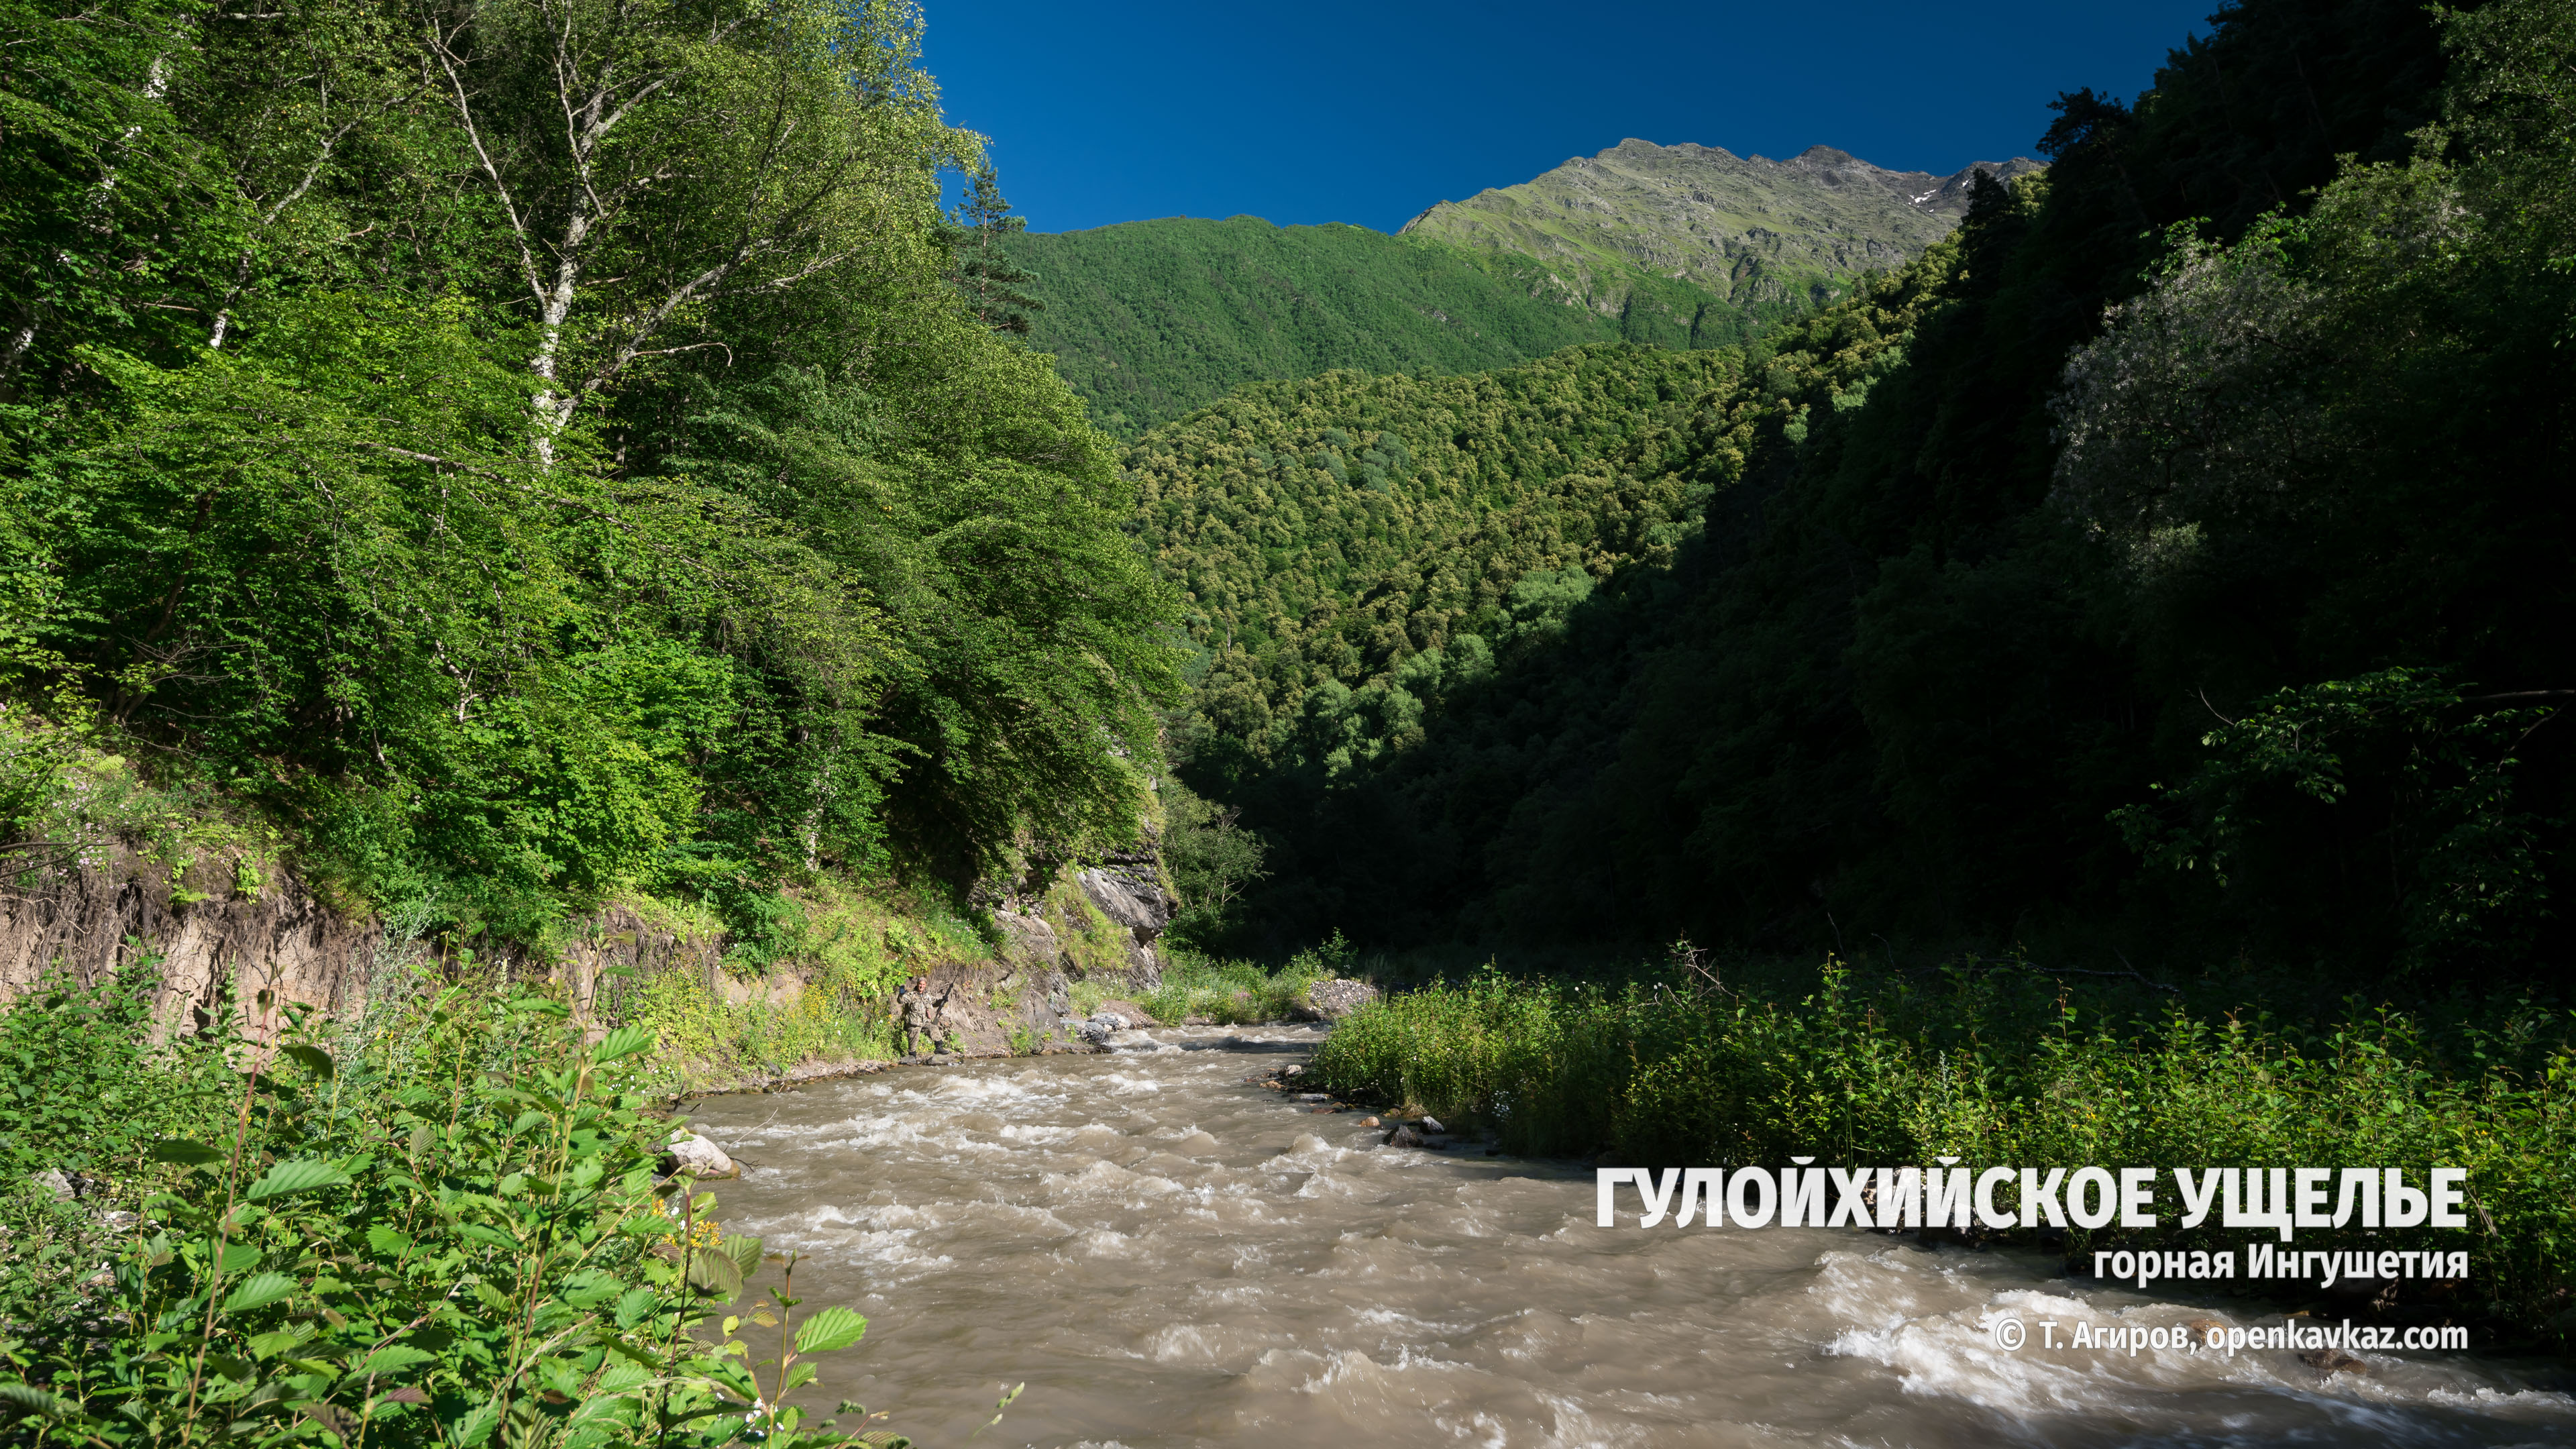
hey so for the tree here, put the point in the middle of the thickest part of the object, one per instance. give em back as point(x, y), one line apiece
point(653, 158)
point(995, 288)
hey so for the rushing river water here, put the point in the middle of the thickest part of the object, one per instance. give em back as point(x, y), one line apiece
point(1168, 1256)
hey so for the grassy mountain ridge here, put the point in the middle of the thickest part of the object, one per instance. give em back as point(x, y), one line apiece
point(1746, 228)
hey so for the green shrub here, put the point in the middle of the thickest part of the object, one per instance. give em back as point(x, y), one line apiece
point(456, 1238)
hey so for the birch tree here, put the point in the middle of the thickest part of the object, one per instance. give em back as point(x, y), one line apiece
point(651, 158)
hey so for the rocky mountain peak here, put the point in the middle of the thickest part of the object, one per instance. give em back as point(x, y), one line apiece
point(1734, 224)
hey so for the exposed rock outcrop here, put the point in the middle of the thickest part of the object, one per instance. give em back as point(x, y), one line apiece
point(222, 925)
point(1130, 892)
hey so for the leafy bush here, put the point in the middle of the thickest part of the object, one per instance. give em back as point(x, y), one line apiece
point(455, 1235)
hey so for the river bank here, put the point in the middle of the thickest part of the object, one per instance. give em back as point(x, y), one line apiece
point(2022, 1069)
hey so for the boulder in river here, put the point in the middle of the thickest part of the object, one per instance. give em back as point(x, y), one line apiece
point(1404, 1137)
point(698, 1157)
point(1332, 1000)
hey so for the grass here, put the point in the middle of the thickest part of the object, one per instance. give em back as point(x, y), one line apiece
point(2011, 1068)
point(1240, 993)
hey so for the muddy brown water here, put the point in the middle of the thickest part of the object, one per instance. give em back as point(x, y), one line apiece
point(1168, 1256)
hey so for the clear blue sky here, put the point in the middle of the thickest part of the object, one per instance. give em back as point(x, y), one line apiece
point(1326, 110)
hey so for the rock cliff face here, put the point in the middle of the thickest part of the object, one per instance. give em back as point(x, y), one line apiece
point(221, 927)
point(1128, 893)
point(224, 929)
point(1746, 227)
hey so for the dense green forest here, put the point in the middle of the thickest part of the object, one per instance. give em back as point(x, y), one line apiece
point(1149, 320)
point(2163, 570)
point(514, 512)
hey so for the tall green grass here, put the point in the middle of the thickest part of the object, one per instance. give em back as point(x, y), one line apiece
point(2010, 1070)
point(1241, 993)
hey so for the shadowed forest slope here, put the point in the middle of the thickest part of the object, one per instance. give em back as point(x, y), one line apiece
point(2168, 552)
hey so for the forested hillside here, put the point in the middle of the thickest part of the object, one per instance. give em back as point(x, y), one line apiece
point(2162, 570)
point(514, 512)
point(1326, 529)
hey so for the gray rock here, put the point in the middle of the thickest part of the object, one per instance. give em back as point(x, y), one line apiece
point(1129, 891)
point(1028, 938)
point(698, 1157)
point(1404, 1137)
point(53, 1181)
point(1331, 1000)
point(1432, 1124)
point(1314, 1096)
point(1130, 897)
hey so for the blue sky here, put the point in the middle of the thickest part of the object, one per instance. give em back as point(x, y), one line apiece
point(1369, 112)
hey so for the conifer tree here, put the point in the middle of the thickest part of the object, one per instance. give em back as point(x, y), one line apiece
point(997, 291)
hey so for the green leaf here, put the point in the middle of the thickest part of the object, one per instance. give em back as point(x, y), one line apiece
point(312, 1058)
point(539, 1005)
point(617, 1378)
point(192, 1153)
point(393, 1358)
point(258, 1291)
point(626, 1041)
point(303, 1174)
point(745, 1252)
point(634, 1304)
point(238, 1258)
point(270, 1345)
point(28, 1399)
point(829, 1329)
point(477, 1426)
point(590, 1289)
point(716, 1273)
point(388, 1242)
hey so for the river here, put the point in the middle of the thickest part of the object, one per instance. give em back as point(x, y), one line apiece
point(1169, 1256)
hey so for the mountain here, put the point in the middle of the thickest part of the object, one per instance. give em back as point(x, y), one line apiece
point(1150, 320)
point(1675, 246)
point(1745, 228)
